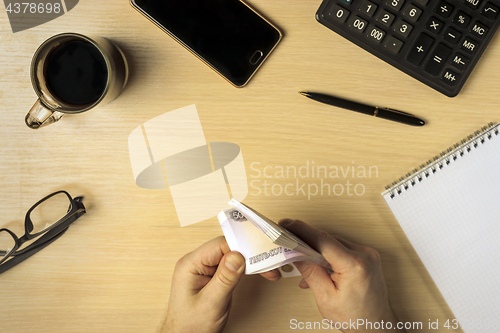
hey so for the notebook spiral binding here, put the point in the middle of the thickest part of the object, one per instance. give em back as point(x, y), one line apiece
point(441, 160)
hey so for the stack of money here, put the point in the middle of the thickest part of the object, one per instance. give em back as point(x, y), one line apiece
point(264, 244)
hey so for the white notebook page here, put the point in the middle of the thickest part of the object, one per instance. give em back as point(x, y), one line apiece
point(452, 219)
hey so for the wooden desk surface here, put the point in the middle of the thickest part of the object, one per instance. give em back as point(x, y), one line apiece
point(111, 271)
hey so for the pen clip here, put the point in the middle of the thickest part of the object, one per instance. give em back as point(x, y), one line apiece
point(397, 111)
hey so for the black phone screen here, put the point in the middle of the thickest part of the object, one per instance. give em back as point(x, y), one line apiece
point(225, 33)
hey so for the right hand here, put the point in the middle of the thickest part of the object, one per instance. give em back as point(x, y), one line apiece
point(356, 289)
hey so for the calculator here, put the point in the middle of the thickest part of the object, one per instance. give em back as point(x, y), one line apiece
point(438, 42)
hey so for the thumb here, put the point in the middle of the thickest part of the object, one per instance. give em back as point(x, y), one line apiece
point(225, 279)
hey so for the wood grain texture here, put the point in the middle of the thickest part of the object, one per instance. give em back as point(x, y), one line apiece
point(111, 271)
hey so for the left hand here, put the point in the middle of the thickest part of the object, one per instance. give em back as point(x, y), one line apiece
point(202, 287)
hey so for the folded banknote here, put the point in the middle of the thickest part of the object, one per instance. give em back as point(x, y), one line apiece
point(264, 244)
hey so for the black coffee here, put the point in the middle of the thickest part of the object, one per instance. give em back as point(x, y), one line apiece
point(76, 73)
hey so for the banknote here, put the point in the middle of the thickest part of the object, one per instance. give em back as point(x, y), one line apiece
point(260, 253)
point(274, 232)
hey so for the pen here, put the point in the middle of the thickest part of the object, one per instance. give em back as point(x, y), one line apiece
point(385, 113)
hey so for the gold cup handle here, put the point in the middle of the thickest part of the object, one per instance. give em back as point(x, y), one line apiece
point(40, 116)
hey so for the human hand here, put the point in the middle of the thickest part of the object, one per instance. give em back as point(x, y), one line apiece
point(356, 289)
point(202, 287)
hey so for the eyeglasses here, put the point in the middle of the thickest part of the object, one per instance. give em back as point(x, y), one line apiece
point(49, 218)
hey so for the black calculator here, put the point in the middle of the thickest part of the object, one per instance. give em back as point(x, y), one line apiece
point(438, 42)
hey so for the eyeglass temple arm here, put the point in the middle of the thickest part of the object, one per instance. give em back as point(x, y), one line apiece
point(30, 250)
point(54, 232)
point(43, 241)
point(46, 239)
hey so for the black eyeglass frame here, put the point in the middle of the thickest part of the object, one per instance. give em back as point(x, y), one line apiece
point(50, 234)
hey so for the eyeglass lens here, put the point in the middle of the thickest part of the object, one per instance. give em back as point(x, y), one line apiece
point(49, 212)
point(7, 243)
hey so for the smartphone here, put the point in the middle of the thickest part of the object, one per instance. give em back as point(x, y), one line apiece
point(228, 35)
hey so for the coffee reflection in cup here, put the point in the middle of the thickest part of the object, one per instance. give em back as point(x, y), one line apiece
point(73, 73)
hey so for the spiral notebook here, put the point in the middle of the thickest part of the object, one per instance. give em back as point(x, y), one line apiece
point(449, 209)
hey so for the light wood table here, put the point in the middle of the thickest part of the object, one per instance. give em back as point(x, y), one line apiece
point(111, 271)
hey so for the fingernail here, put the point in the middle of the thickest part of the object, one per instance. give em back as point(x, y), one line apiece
point(234, 262)
point(286, 222)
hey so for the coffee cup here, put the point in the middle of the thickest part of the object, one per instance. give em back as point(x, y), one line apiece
point(72, 73)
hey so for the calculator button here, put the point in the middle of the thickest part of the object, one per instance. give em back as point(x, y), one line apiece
point(358, 24)
point(393, 44)
point(478, 30)
point(451, 35)
point(443, 9)
point(368, 8)
point(434, 25)
point(420, 49)
point(375, 34)
point(402, 28)
point(461, 19)
point(422, 2)
point(472, 4)
point(469, 45)
point(395, 4)
point(490, 11)
point(412, 12)
point(385, 18)
point(347, 2)
point(437, 59)
point(459, 61)
point(450, 77)
point(338, 14)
